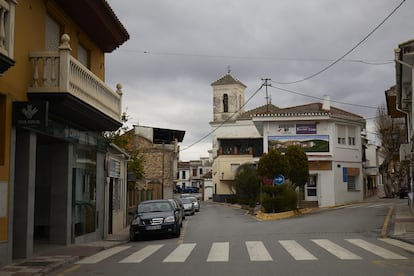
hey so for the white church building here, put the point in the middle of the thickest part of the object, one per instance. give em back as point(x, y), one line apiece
point(331, 138)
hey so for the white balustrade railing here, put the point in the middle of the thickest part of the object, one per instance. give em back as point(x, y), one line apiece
point(59, 72)
point(7, 8)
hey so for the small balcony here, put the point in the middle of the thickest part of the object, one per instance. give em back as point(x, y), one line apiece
point(7, 8)
point(74, 93)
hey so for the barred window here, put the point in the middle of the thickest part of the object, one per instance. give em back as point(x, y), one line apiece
point(351, 183)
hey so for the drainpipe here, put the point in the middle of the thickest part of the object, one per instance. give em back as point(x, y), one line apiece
point(410, 129)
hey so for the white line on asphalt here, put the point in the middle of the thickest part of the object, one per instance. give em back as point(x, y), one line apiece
point(93, 259)
point(336, 250)
point(219, 252)
point(297, 251)
point(379, 251)
point(142, 254)
point(401, 244)
point(258, 251)
point(180, 254)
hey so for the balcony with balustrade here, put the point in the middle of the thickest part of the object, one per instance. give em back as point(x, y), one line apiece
point(74, 94)
point(7, 10)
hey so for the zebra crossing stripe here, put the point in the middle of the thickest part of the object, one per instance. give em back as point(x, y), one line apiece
point(403, 245)
point(297, 251)
point(257, 251)
point(219, 252)
point(142, 254)
point(336, 250)
point(374, 249)
point(180, 254)
point(102, 255)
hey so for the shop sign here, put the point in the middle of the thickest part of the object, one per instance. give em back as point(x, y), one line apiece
point(32, 114)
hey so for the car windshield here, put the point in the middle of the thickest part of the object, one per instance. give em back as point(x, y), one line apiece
point(154, 207)
point(193, 199)
point(185, 200)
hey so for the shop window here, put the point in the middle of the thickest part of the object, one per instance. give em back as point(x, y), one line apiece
point(84, 214)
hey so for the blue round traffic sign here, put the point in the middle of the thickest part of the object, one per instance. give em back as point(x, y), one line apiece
point(279, 180)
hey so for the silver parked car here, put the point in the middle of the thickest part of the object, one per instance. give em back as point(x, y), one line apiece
point(188, 206)
point(195, 202)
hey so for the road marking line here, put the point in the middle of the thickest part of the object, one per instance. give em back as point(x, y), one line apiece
point(378, 205)
point(71, 269)
point(375, 249)
point(297, 251)
point(401, 244)
point(142, 254)
point(336, 250)
point(257, 251)
point(219, 252)
point(385, 226)
point(180, 254)
point(93, 259)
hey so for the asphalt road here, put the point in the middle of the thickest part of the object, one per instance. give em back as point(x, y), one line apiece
point(221, 240)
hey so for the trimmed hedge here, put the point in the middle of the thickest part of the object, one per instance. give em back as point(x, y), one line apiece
point(278, 199)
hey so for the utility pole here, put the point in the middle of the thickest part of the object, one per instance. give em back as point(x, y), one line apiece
point(266, 82)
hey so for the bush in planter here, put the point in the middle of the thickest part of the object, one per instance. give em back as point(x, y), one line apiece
point(279, 198)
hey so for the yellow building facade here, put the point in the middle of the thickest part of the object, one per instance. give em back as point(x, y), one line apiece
point(54, 105)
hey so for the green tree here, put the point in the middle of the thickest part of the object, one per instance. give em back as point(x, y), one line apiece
point(272, 164)
point(247, 184)
point(298, 164)
point(123, 138)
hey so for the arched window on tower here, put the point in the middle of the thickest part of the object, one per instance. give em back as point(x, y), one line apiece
point(225, 103)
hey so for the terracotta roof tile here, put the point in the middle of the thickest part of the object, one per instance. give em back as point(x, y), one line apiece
point(312, 108)
point(227, 79)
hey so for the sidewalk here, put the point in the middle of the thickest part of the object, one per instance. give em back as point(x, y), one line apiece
point(400, 226)
point(52, 258)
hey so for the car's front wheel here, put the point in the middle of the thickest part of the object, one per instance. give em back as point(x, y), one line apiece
point(177, 232)
point(132, 236)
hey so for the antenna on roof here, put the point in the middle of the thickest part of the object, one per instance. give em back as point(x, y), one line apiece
point(228, 69)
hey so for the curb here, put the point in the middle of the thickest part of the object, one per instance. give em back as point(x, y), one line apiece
point(283, 215)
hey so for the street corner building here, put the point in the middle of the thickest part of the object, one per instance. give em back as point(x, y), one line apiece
point(60, 181)
point(331, 138)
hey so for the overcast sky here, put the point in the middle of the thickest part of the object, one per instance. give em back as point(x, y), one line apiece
point(177, 48)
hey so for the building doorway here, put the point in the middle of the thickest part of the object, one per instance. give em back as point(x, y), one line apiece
point(311, 188)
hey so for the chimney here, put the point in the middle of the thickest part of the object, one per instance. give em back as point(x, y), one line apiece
point(326, 105)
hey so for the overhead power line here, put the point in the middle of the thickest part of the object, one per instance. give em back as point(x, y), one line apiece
point(320, 98)
point(225, 121)
point(346, 53)
point(296, 59)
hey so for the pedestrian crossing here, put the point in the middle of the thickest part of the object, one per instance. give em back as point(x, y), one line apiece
point(258, 251)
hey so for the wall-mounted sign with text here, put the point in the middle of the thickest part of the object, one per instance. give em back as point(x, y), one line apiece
point(33, 114)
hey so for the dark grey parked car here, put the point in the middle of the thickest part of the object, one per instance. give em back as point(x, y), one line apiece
point(178, 205)
point(154, 217)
